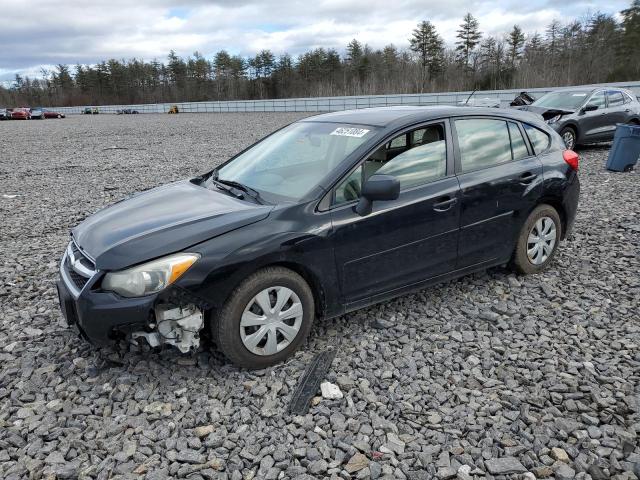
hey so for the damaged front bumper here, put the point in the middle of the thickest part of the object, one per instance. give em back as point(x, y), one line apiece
point(172, 316)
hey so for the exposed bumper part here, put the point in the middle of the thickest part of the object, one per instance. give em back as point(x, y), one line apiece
point(177, 326)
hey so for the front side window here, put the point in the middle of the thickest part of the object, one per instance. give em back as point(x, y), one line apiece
point(423, 161)
point(598, 100)
point(538, 138)
point(292, 161)
point(483, 143)
point(615, 98)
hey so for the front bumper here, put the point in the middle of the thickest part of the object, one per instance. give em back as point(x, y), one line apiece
point(102, 317)
point(98, 316)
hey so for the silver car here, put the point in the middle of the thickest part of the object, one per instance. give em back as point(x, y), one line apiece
point(587, 115)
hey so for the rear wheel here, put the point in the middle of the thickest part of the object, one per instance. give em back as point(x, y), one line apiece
point(538, 240)
point(265, 319)
point(568, 135)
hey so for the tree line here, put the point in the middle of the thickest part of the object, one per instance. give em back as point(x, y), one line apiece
point(594, 49)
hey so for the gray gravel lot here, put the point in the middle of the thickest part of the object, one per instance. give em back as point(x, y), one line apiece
point(490, 376)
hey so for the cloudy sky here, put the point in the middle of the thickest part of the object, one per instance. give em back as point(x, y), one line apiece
point(41, 33)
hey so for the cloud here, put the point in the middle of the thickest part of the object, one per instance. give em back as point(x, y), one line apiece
point(34, 33)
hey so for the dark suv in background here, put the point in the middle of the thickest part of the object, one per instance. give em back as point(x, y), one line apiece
point(586, 115)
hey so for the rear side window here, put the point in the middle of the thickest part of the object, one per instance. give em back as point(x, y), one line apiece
point(627, 98)
point(539, 139)
point(615, 98)
point(483, 143)
point(518, 145)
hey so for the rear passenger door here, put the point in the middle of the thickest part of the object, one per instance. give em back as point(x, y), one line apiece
point(500, 183)
point(618, 112)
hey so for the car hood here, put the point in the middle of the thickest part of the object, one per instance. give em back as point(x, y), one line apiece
point(546, 112)
point(161, 221)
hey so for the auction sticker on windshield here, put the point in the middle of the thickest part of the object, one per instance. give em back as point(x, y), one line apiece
point(350, 132)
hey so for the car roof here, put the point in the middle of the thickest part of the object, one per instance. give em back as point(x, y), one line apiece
point(392, 116)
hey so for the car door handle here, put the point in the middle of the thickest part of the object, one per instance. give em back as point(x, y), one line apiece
point(444, 204)
point(527, 178)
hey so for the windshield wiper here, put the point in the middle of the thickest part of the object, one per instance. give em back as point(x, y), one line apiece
point(240, 186)
point(226, 188)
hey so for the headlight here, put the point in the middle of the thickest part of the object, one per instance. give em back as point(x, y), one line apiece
point(150, 277)
point(554, 119)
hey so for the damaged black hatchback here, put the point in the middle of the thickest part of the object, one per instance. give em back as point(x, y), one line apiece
point(324, 216)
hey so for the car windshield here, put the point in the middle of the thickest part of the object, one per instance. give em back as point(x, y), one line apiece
point(292, 161)
point(569, 100)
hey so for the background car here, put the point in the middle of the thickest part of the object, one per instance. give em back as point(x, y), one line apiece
point(53, 114)
point(21, 114)
point(5, 114)
point(37, 113)
point(586, 115)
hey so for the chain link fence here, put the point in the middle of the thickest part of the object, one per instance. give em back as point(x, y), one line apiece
point(328, 104)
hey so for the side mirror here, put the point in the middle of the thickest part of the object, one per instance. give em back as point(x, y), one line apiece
point(589, 108)
point(377, 188)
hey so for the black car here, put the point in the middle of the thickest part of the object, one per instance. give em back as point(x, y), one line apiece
point(327, 215)
point(586, 115)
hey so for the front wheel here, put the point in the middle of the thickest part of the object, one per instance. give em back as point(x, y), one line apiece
point(568, 135)
point(538, 240)
point(265, 319)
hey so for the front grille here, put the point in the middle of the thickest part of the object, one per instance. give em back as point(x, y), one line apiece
point(78, 280)
point(78, 267)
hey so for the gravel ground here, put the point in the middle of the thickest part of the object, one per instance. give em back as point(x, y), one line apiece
point(490, 376)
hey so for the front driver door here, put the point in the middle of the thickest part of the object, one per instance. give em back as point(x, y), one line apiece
point(404, 241)
point(595, 124)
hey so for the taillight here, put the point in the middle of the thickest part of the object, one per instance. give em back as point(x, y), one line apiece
point(572, 159)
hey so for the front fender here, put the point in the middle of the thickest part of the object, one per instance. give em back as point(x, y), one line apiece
point(232, 257)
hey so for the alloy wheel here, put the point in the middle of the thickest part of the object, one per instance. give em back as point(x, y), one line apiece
point(271, 320)
point(569, 139)
point(541, 240)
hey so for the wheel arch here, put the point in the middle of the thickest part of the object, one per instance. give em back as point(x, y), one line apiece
point(556, 203)
point(574, 126)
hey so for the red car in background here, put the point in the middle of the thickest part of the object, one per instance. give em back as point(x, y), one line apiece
point(52, 114)
point(21, 114)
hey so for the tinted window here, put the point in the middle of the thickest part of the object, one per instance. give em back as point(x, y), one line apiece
point(483, 143)
point(422, 162)
point(518, 145)
point(615, 98)
point(538, 139)
point(627, 98)
point(598, 100)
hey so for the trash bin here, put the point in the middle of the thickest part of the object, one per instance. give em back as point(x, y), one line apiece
point(625, 150)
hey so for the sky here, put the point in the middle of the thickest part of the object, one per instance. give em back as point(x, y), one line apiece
point(36, 34)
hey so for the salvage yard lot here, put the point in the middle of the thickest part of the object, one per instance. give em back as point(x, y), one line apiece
point(490, 375)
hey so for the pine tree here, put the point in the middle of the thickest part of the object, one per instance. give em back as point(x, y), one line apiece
point(515, 41)
point(469, 36)
point(430, 49)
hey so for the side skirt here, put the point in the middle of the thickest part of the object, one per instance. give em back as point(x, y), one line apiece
point(414, 287)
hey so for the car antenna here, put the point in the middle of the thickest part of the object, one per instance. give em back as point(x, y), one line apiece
point(469, 97)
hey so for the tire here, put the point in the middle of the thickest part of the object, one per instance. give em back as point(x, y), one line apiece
point(569, 137)
point(524, 260)
point(234, 339)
